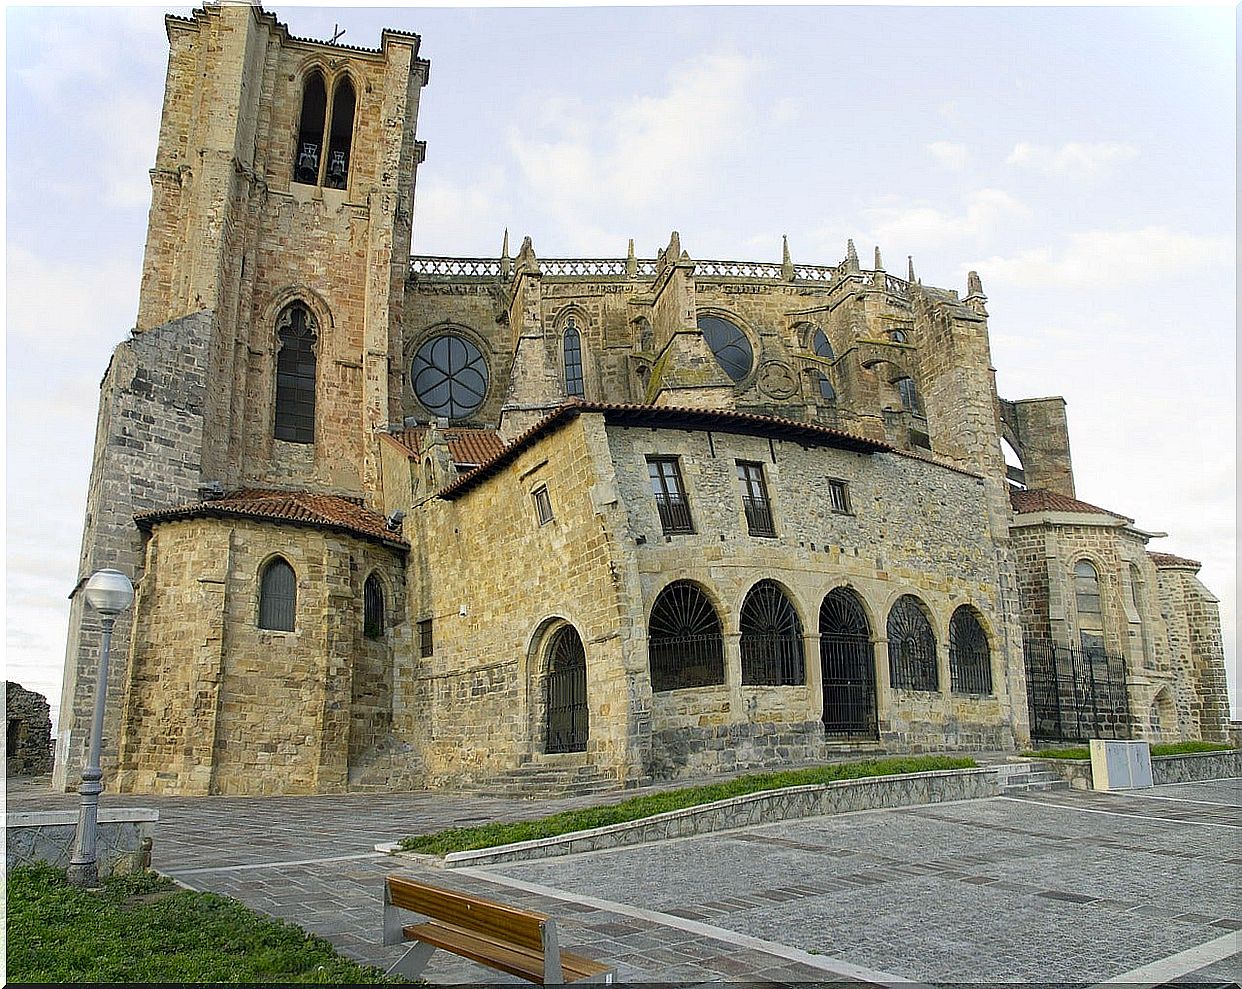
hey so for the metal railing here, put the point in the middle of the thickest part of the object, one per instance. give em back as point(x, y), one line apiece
point(674, 514)
point(684, 661)
point(1075, 694)
point(772, 660)
point(759, 516)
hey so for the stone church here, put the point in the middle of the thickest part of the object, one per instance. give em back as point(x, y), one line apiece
point(516, 521)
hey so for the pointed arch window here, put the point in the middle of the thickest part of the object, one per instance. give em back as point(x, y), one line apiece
point(341, 134)
point(572, 350)
point(911, 646)
point(309, 151)
point(909, 394)
point(373, 608)
point(295, 375)
point(278, 596)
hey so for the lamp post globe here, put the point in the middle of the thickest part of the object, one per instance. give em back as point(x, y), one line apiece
point(109, 592)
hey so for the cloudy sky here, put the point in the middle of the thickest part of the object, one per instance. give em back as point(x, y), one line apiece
point(1081, 160)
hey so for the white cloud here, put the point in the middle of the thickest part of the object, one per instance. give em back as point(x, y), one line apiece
point(949, 154)
point(459, 217)
point(922, 228)
point(647, 152)
point(1108, 258)
point(1072, 160)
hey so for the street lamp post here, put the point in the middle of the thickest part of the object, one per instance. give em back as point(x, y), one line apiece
point(109, 592)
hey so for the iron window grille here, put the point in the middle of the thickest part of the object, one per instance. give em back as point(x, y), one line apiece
point(373, 608)
point(565, 694)
point(970, 660)
point(755, 499)
point(573, 360)
point(543, 504)
point(278, 597)
point(685, 641)
point(911, 646)
point(847, 665)
point(670, 495)
point(771, 639)
point(839, 496)
point(425, 643)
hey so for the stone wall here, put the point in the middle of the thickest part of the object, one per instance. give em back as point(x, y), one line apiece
point(217, 705)
point(148, 444)
point(123, 842)
point(28, 734)
point(1195, 651)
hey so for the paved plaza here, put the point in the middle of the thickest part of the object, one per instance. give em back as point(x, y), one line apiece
point(1057, 886)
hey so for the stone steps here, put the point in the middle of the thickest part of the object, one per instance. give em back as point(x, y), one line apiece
point(539, 779)
point(1028, 776)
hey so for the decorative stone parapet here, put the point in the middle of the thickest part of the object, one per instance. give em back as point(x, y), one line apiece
point(794, 802)
point(124, 843)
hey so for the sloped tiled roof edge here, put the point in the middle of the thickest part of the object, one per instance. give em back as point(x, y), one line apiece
point(1168, 560)
point(305, 508)
point(668, 417)
point(1030, 500)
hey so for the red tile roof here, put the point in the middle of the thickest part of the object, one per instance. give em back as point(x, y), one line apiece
point(468, 445)
point(296, 507)
point(1030, 500)
point(670, 417)
point(1169, 560)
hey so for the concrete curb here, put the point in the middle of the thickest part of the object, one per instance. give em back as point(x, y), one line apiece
point(765, 807)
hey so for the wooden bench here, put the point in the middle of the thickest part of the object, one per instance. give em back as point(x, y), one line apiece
point(520, 942)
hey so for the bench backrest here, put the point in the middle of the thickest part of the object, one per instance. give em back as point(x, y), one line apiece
point(517, 926)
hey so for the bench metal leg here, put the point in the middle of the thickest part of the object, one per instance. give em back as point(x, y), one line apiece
point(411, 964)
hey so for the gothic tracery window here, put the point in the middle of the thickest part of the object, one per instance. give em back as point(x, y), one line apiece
point(573, 359)
point(449, 376)
point(730, 345)
point(324, 139)
point(295, 375)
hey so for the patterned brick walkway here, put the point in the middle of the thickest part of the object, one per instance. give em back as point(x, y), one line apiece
point(1049, 887)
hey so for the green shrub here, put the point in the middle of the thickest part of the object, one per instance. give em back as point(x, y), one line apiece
point(144, 928)
point(489, 835)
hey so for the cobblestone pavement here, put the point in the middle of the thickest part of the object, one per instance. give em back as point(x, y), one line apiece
point(1059, 886)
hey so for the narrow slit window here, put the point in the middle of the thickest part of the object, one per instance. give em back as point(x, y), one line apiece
point(425, 643)
point(373, 608)
point(543, 504)
point(839, 496)
point(573, 360)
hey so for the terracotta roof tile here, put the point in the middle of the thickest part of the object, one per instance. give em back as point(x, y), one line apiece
point(1169, 560)
point(297, 507)
point(1030, 500)
point(468, 445)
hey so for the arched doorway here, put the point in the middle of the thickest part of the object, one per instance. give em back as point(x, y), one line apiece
point(847, 662)
point(565, 705)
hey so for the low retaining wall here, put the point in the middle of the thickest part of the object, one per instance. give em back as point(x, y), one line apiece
point(872, 793)
point(1164, 768)
point(123, 845)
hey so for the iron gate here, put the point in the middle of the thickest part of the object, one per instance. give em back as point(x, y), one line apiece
point(847, 664)
point(1075, 695)
point(566, 693)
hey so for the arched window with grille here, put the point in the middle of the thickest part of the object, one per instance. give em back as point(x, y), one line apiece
point(565, 697)
point(771, 639)
point(970, 660)
point(309, 151)
point(685, 641)
point(847, 665)
point(341, 134)
point(295, 375)
point(572, 350)
point(278, 596)
point(373, 608)
point(911, 646)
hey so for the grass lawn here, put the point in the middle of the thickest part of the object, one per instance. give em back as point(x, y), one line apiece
point(488, 835)
point(1160, 748)
point(144, 928)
